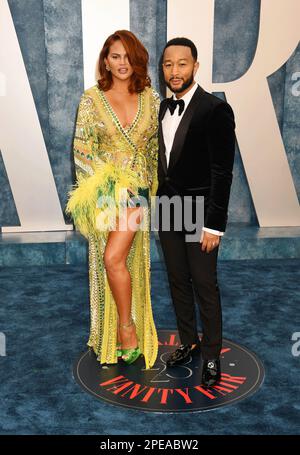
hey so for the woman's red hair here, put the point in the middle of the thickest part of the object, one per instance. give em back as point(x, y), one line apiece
point(138, 58)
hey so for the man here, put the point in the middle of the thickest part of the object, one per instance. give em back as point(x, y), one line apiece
point(196, 155)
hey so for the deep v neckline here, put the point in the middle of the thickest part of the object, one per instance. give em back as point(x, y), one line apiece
point(124, 130)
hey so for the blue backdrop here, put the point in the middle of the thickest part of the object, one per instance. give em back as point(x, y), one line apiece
point(50, 36)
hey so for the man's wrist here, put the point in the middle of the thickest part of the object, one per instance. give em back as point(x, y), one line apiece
point(213, 231)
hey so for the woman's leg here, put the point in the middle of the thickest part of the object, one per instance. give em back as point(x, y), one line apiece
point(115, 255)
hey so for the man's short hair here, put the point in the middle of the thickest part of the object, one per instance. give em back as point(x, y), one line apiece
point(181, 41)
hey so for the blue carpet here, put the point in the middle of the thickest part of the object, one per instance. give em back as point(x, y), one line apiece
point(44, 315)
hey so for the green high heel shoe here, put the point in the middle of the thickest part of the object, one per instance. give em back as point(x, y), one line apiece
point(119, 350)
point(130, 355)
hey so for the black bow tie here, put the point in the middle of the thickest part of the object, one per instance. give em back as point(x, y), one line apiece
point(172, 104)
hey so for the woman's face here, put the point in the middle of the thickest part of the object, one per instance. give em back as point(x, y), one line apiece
point(117, 61)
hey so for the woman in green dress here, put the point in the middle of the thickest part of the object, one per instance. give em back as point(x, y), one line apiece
point(115, 154)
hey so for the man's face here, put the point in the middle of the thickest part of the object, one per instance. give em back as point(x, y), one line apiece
point(179, 68)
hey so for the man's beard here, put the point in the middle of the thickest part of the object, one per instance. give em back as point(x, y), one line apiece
point(184, 86)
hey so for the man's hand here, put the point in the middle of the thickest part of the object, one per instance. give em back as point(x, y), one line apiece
point(209, 241)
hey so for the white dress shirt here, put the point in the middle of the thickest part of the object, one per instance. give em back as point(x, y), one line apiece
point(170, 124)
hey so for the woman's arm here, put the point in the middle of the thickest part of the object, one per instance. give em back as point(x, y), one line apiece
point(86, 140)
point(152, 145)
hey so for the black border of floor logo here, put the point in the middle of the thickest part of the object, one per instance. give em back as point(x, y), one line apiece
point(178, 389)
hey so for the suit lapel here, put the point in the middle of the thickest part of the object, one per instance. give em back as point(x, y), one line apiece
point(183, 127)
point(161, 143)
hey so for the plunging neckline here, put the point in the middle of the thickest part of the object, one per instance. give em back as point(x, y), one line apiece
point(129, 128)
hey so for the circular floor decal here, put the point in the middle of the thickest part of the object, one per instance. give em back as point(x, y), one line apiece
point(176, 389)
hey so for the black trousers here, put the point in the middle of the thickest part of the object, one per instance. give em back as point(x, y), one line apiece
point(192, 270)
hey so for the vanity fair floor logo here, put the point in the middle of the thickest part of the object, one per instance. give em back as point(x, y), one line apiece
point(178, 389)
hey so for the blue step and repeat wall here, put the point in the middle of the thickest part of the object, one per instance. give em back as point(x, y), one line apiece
point(50, 36)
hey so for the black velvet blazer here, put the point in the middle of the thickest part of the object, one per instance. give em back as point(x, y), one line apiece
point(202, 156)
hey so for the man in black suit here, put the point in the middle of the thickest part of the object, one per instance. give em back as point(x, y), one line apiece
point(196, 155)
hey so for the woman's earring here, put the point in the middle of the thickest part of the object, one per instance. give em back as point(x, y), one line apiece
point(107, 68)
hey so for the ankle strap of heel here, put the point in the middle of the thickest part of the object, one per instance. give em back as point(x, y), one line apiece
point(127, 325)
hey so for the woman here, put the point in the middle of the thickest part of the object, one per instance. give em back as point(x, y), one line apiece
point(115, 147)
